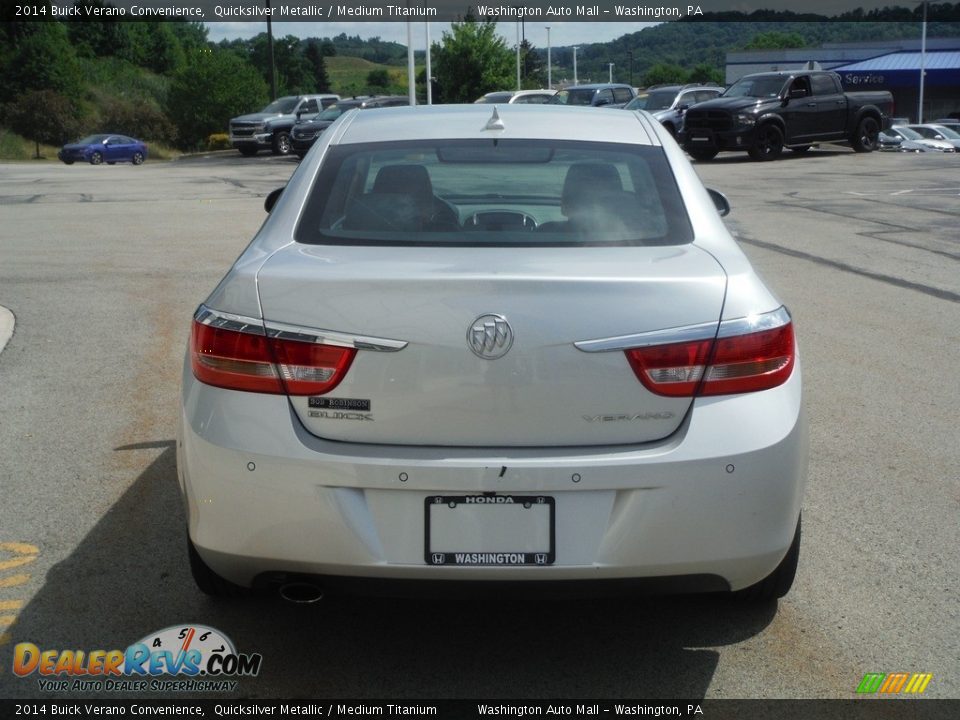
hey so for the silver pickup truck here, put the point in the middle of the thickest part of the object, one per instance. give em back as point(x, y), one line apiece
point(270, 128)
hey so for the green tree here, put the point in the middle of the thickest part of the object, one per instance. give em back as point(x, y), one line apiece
point(472, 60)
point(378, 79)
point(664, 74)
point(705, 73)
point(43, 60)
point(44, 116)
point(533, 67)
point(314, 54)
point(212, 87)
point(776, 40)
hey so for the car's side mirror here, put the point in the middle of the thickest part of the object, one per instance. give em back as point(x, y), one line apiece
point(719, 201)
point(271, 199)
point(682, 107)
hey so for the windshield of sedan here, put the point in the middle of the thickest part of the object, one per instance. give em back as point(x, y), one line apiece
point(908, 134)
point(660, 100)
point(495, 192)
point(947, 132)
point(573, 97)
point(758, 87)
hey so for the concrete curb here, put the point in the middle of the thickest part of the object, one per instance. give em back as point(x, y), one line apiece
point(7, 322)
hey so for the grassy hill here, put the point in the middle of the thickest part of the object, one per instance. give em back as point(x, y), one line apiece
point(348, 75)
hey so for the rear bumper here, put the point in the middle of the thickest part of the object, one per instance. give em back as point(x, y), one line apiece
point(712, 507)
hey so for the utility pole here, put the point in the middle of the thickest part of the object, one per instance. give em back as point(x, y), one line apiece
point(549, 62)
point(273, 64)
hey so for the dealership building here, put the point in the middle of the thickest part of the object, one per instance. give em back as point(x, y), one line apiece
point(889, 65)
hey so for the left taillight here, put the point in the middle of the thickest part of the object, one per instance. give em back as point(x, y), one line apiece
point(246, 359)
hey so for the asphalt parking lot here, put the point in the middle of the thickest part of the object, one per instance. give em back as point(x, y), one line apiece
point(102, 268)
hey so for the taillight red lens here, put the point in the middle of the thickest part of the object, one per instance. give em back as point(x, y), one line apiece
point(674, 370)
point(735, 364)
point(747, 363)
point(246, 361)
point(231, 359)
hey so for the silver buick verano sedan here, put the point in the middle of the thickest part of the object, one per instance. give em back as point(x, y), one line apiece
point(509, 344)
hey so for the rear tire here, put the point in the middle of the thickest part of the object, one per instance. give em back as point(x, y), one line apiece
point(867, 136)
point(778, 583)
point(769, 144)
point(137, 158)
point(208, 581)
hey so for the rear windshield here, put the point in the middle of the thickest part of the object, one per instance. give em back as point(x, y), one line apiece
point(494, 192)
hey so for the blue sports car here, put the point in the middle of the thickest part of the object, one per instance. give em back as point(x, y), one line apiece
point(110, 149)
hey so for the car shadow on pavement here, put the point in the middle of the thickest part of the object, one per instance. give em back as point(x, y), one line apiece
point(129, 578)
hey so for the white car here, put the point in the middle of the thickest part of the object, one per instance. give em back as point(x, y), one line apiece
point(489, 344)
point(516, 97)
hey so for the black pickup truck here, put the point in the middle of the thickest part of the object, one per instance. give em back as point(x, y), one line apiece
point(766, 112)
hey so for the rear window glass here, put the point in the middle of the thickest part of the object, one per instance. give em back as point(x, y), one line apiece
point(494, 192)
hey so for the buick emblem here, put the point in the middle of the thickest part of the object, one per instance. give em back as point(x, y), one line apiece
point(490, 336)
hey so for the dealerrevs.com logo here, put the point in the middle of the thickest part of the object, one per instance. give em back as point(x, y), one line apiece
point(186, 658)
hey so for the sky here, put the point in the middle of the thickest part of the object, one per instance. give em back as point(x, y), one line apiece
point(561, 33)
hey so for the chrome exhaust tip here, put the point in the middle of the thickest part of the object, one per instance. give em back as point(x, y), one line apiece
point(301, 593)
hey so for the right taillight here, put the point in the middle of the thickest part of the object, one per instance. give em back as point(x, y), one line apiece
point(240, 356)
point(747, 355)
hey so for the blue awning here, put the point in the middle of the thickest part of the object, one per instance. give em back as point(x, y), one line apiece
point(902, 70)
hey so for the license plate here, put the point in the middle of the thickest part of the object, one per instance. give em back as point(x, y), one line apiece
point(489, 530)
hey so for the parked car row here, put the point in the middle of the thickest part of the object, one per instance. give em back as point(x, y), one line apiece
point(904, 138)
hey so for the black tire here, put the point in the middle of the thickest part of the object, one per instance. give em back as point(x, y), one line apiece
point(800, 149)
point(96, 158)
point(867, 137)
point(281, 143)
point(247, 151)
point(68, 162)
point(208, 581)
point(111, 162)
point(703, 155)
point(769, 143)
point(778, 583)
point(137, 158)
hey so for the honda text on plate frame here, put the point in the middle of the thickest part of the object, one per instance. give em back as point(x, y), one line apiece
point(493, 344)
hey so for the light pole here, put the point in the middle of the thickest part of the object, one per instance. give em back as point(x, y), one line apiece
point(429, 81)
point(630, 55)
point(610, 71)
point(549, 63)
point(273, 64)
point(411, 75)
point(518, 55)
point(923, 62)
point(575, 48)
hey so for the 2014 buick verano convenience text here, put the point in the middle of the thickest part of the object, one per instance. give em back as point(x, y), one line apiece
point(493, 344)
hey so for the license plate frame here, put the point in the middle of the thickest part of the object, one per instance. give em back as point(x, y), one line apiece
point(521, 540)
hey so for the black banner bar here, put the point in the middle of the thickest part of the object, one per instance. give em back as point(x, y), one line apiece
point(862, 709)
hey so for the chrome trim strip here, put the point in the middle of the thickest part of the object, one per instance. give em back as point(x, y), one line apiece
point(229, 321)
point(689, 333)
point(754, 323)
point(283, 331)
